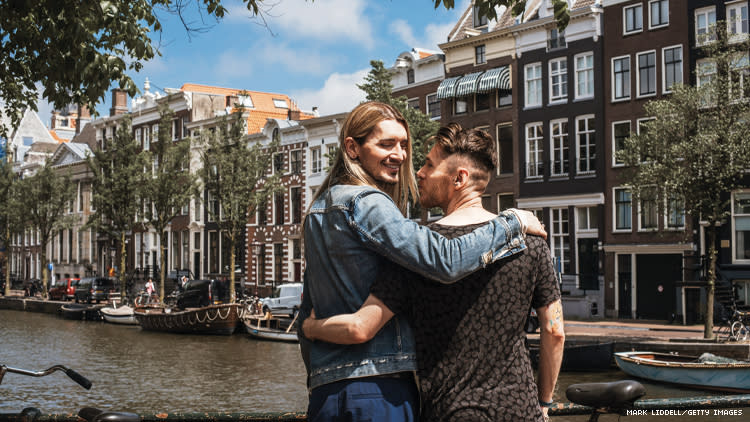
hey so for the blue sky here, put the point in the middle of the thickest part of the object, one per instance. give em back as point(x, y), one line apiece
point(315, 52)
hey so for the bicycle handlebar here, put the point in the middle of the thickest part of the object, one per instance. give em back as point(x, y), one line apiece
point(75, 376)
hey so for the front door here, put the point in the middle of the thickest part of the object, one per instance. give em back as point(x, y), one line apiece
point(624, 285)
point(588, 264)
point(655, 277)
point(197, 265)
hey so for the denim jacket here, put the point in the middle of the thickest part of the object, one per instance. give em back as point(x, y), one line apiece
point(349, 232)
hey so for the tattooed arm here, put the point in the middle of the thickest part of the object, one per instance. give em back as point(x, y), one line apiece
point(552, 339)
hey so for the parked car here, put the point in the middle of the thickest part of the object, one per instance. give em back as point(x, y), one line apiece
point(63, 289)
point(94, 289)
point(286, 300)
point(198, 293)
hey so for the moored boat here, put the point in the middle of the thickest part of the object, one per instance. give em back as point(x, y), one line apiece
point(122, 314)
point(80, 311)
point(581, 357)
point(708, 371)
point(212, 319)
point(276, 329)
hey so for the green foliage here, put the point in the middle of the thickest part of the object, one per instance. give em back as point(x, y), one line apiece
point(234, 175)
point(45, 198)
point(116, 179)
point(488, 8)
point(10, 214)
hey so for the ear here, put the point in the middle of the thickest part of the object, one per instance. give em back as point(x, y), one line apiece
point(351, 147)
point(461, 177)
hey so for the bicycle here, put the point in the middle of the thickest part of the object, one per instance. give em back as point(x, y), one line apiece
point(606, 397)
point(738, 329)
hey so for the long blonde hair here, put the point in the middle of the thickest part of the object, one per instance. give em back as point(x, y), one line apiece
point(359, 125)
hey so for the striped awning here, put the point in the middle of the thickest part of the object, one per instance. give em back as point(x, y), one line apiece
point(468, 84)
point(497, 78)
point(447, 88)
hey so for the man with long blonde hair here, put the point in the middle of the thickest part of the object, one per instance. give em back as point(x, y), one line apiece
point(355, 224)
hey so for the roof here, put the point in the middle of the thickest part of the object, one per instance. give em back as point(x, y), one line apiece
point(44, 147)
point(57, 137)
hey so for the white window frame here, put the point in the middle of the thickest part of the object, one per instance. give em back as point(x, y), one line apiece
point(638, 93)
point(315, 169)
point(563, 151)
point(589, 82)
point(625, 19)
point(735, 260)
point(588, 229)
point(146, 138)
point(737, 36)
point(667, 210)
point(710, 34)
point(591, 131)
point(538, 152)
point(614, 80)
point(650, 16)
point(559, 239)
point(428, 111)
point(640, 214)
point(562, 77)
point(614, 141)
point(664, 88)
point(537, 89)
point(615, 209)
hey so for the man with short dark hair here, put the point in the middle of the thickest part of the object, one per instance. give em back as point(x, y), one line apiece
point(472, 361)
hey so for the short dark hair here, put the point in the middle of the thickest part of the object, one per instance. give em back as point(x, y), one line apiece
point(474, 144)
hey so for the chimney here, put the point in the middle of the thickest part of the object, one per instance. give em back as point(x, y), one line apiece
point(84, 116)
point(119, 102)
point(315, 111)
point(293, 113)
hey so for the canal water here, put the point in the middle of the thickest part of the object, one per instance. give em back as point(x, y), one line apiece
point(141, 371)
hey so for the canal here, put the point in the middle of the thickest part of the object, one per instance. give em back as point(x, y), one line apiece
point(147, 372)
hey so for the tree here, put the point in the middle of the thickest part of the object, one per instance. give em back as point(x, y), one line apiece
point(75, 50)
point(234, 175)
point(116, 179)
point(696, 150)
point(171, 186)
point(46, 198)
point(10, 214)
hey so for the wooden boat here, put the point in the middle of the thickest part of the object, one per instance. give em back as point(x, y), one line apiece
point(276, 329)
point(212, 319)
point(122, 314)
point(581, 357)
point(706, 372)
point(80, 311)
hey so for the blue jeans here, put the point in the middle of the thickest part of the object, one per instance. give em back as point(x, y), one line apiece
point(371, 399)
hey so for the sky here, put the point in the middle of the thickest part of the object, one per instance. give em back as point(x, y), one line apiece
point(314, 51)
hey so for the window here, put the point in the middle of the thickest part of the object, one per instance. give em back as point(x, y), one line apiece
point(740, 75)
point(278, 163)
point(534, 150)
point(646, 73)
point(623, 209)
point(705, 23)
point(559, 140)
point(556, 39)
point(295, 158)
point(482, 101)
point(280, 103)
point(658, 13)
point(705, 73)
point(479, 55)
point(560, 242)
point(558, 79)
point(587, 219)
point(154, 133)
point(176, 124)
point(737, 21)
point(138, 137)
point(80, 197)
point(672, 67)
point(620, 132)
point(675, 218)
point(410, 76)
point(413, 103)
point(262, 213)
point(505, 201)
point(331, 153)
point(278, 263)
point(584, 75)
point(633, 17)
point(533, 77)
point(647, 210)
point(586, 140)
point(479, 20)
point(244, 100)
point(296, 205)
point(621, 78)
point(459, 106)
point(504, 97)
point(433, 106)
point(505, 148)
point(278, 209)
point(315, 163)
point(741, 225)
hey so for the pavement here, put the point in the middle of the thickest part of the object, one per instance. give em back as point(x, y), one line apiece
point(635, 329)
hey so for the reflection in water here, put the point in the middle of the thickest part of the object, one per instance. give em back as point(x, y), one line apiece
point(140, 371)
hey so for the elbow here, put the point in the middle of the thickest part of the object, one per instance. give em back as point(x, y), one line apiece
point(553, 335)
point(359, 333)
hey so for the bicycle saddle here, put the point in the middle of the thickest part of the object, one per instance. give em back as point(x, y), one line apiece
point(91, 414)
point(614, 395)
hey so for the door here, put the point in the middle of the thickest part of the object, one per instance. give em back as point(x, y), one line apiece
point(624, 285)
point(197, 265)
point(655, 277)
point(588, 264)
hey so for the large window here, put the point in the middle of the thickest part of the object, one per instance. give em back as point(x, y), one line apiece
point(621, 78)
point(648, 210)
point(587, 219)
point(558, 79)
point(479, 20)
point(556, 39)
point(315, 160)
point(560, 147)
point(620, 132)
point(658, 13)
point(278, 263)
point(741, 225)
point(737, 21)
point(623, 210)
point(633, 18)
point(672, 57)
point(740, 74)
point(705, 23)
point(505, 148)
point(278, 163)
point(278, 209)
point(533, 77)
point(296, 194)
point(296, 161)
point(433, 106)
point(560, 241)
point(584, 75)
point(646, 73)
point(586, 140)
point(480, 54)
point(675, 218)
point(534, 150)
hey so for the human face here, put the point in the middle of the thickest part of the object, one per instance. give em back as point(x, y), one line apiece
point(435, 180)
point(383, 152)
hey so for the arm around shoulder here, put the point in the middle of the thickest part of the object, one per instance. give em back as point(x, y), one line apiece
point(356, 328)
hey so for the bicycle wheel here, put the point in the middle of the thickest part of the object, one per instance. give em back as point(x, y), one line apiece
point(739, 331)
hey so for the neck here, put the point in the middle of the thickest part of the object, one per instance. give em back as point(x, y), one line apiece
point(464, 211)
point(462, 201)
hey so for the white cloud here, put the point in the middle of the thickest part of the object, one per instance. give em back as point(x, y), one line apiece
point(323, 20)
point(267, 57)
point(338, 94)
point(432, 34)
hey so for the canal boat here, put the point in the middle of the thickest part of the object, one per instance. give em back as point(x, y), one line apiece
point(708, 372)
point(581, 357)
point(80, 311)
point(213, 319)
point(275, 329)
point(122, 314)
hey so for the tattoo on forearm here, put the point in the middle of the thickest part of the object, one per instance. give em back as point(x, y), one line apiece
point(556, 319)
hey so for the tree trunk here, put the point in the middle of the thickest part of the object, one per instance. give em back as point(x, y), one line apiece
point(45, 269)
point(7, 262)
point(123, 256)
point(162, 264)
point(232, 293)
point(710, 281)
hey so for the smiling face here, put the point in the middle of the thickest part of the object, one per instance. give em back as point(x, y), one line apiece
point(383, 151)
point(435, 179)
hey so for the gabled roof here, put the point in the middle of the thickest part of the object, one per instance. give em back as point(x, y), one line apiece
point(70, 153)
